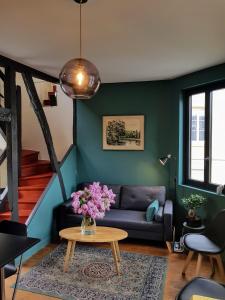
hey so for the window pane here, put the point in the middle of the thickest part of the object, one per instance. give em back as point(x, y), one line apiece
point(218, 144)
point(201, 128)
point(197, 138)
point(194, 128)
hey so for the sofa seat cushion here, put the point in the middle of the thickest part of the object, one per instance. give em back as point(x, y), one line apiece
point(130, 219)
point(137, 197)
point(124, 219)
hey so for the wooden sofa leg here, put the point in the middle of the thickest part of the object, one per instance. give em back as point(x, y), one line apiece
point(220, 266)
point(187, 262)
point(169, 246)
point(199, 264)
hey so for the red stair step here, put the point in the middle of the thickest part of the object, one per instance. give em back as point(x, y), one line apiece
point(35, 175)
point(41, 166)
point(27, 204)
point(31, 192)
point(42, 179)
point(23, 215)
point(29, 156)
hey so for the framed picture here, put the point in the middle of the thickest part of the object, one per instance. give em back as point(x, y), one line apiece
point(123, 132)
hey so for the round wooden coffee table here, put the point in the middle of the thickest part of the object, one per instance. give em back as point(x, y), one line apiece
point(102, 235)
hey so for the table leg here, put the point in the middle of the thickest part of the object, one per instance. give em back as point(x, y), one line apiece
point(114, 252)
point(72, 250)
point(118, 251)
point(67, 257)
point(2, 284)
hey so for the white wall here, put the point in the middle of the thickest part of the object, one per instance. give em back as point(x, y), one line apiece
point(60, 120)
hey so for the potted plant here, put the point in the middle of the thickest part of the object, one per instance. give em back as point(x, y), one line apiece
point(92, 203)
point(191, 203)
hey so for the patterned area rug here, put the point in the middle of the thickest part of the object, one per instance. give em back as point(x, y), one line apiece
point(92, 275)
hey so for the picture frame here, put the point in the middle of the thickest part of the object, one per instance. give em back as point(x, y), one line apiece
point(123, 132)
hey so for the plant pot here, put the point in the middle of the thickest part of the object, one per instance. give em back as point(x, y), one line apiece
point(194, 222)
point(88, 226)
point(191, 213)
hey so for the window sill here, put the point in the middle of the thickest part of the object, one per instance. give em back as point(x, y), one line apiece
point(200, 190)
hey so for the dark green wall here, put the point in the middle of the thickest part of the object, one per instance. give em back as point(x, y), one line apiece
point(126, 167)
point(161, 103)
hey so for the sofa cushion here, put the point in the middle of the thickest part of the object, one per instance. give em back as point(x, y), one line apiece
point(137, 197)
point(124, 219)
point(152, 210)
point(159, 215)
point(115, 188)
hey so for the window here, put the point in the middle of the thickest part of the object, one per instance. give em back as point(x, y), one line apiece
point(194, 128)
point(204, 146)
point(197, 128)
point(201, 128)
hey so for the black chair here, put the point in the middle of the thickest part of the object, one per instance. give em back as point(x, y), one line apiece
point(202, 287)
point(11, 227)
point(210, 243)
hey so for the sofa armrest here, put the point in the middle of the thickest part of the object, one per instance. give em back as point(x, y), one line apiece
point(67, 204)
point(168, 220)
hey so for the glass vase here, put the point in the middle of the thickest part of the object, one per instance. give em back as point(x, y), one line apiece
point(88, 225)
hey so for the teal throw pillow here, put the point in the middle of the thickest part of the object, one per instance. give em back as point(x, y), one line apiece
point(152, 210)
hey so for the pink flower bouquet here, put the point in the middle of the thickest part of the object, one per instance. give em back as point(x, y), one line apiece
point(93, 201)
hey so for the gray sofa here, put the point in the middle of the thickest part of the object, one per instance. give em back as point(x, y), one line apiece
point(128, 212)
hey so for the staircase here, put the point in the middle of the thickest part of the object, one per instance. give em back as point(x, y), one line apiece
point(35, 175)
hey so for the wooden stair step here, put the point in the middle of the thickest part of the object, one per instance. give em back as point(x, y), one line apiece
point(28, 200)
point(40, 187)
point(26, 205)
point(32, 193)
point(29, 156)
point(41, 166)
point(42, 179)
point(23, 215)
point(35, 175)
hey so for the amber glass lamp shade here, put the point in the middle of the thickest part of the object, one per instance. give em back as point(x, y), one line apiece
point(79, 79)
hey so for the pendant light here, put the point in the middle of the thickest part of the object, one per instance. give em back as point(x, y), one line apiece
point(79, 78)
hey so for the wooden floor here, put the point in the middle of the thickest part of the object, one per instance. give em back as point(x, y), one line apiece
point(174, 280)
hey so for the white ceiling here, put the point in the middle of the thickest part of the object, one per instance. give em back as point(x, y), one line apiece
point(128, 40)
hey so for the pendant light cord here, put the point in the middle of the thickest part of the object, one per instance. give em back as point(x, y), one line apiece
point(80, 31)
